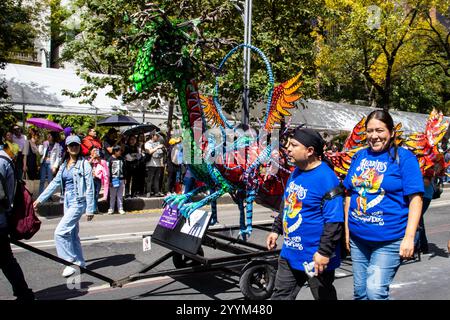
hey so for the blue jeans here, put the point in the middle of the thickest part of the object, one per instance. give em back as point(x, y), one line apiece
point(45, 174)
point(97, 187)
point(374, 267)
point(67, 241)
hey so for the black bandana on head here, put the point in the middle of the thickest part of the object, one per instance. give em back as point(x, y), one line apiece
point(309, 138)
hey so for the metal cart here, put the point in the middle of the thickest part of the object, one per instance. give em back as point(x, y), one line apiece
point(256, 265)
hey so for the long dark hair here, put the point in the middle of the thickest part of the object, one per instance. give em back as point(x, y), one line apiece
point(386, 118)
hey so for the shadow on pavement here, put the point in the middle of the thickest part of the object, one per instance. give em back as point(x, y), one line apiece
point(63, 292)
point(206, 283)
point(436, 251)
point(111, 261)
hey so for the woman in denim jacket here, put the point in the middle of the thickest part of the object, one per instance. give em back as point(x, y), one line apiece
point(76, 182)
point(51, 152)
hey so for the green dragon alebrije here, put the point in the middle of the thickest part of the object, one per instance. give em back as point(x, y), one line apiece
point(165, 56)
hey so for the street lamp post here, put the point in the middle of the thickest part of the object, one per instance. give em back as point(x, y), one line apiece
point(247, 53)
point(247, 18)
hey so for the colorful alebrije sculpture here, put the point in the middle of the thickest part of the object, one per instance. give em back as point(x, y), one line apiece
point(244, 169)
point(423, 144)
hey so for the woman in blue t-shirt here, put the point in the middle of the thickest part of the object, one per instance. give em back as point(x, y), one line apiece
point(382, 208)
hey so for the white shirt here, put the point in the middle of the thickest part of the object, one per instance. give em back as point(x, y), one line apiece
point(20, 141)
point(157, 156)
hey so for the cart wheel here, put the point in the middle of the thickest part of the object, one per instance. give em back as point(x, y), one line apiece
point(257, 282)
point(181, 261)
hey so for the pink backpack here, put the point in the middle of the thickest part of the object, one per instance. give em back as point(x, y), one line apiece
point(22, 221)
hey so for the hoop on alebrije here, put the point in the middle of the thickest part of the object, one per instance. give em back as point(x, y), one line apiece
point(269, 72)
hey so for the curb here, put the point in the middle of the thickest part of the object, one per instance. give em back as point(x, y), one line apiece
point(56, 208)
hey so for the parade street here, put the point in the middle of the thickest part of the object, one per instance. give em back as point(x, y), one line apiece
point(112, 246)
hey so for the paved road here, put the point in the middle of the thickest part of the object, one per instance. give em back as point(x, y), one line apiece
point(113, 247)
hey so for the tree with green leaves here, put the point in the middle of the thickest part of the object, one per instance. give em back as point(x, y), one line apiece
point(280, 29)
point(58, 29)
point(16, 32)
point(435, 32)
point(370, 46)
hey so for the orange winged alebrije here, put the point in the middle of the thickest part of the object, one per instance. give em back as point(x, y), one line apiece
point(425, 144)
point(210, 111)
point(283, 98)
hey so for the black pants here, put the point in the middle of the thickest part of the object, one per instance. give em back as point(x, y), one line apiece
point(19, 165)
point(153, 179)
point(140, 179)
point(131, 176)
point(12, 270)
point(173, 173)
point(288, 283)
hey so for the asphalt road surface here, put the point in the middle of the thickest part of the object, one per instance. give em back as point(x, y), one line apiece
point(113, 247)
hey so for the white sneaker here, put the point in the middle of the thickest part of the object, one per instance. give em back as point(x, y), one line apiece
point(121, 211)
point(110, 211)
point(68, 271)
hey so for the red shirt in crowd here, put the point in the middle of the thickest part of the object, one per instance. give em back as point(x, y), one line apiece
point(88, 143)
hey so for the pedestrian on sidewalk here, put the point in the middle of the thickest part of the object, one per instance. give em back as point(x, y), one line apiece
point(155, 165)
point(110, 140)
point(382, 208)
point(51, 153)
point(447, 170)
point(174, 161)
point(312, 224)
point(132, 155)
point(21, 141)
point(100, 173)
point(90, 141)
point(77, 186)
point(12, 146)
point(30, 153)
point(10, 268)
point(117, 172)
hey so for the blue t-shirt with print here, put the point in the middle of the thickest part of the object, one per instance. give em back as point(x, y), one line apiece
point(379, 187)
point(303, 217)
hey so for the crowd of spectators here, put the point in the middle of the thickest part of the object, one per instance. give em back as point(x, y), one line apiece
point(118, 161)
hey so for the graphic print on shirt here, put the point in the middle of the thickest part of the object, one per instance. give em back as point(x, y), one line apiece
point(292, 219)
point(367, 181)
point(115, 168)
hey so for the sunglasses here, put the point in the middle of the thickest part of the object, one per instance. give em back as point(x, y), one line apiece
point(73, 145)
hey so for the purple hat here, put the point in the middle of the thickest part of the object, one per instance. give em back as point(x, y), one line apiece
point(67, 131)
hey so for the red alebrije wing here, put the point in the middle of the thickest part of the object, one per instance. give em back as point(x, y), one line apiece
point(424, 145)
point(436, 127)
point(358, 136)
point(210, 111)
point(283, 98)
point(341, 161)
point(417, 143)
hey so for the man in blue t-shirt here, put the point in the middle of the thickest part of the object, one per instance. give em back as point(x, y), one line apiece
point(311, 222)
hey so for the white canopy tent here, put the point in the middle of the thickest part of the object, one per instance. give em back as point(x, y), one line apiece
point(39, 90)
point(333, 116)
point(339, 117)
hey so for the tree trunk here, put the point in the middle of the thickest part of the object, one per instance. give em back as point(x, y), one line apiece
point(386, 96)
